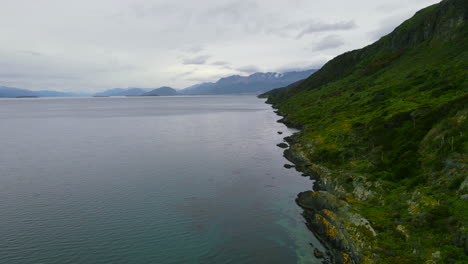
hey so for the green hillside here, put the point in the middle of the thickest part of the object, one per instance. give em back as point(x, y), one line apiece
point(384, 128)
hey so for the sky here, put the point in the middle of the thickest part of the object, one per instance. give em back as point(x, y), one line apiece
point(93, 45)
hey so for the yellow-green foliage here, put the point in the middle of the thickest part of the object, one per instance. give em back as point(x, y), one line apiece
point(396, 112)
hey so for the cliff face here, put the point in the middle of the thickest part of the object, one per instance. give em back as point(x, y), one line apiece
point(384, 130)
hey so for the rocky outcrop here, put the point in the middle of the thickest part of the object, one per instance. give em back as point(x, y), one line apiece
point(282, 145)
point(330, 218)
point(384, 136)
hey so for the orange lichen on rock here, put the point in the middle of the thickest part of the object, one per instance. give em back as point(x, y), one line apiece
point(327, 212)
point(346, 259)
point(316, 170)
point(330, 229)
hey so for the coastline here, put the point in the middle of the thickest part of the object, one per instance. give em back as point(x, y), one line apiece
point(331, 219)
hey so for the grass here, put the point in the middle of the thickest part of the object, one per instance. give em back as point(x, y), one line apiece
point(396, 112)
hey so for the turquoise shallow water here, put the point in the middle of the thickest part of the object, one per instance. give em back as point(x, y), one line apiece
point(147, 180)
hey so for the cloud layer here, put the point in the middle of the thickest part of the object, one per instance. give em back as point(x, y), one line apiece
point(95, 45)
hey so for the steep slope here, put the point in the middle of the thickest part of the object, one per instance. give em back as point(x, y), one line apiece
point(384, 130)
point(252, 84)
point(163, 91)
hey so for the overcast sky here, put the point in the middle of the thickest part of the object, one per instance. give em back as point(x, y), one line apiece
point(92, 45)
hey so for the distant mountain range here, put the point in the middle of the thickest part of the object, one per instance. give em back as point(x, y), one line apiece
point(16, 92)
point(253, 84)
point(162, 91)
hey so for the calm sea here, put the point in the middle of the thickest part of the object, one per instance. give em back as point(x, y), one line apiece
point(147, 180)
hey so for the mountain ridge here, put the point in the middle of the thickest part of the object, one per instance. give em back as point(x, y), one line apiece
point(6, 91)
point(253, 84)
point(374, 126)
point(235, 84)
point(131, 91)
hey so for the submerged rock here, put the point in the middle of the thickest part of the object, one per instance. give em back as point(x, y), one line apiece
point(318, 254)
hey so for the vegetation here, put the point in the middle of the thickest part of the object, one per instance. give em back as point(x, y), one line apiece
point(395, 114)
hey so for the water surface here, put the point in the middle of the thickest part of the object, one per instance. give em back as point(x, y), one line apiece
point(147, 180)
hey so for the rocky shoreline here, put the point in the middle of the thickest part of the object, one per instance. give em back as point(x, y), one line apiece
point(335, 224)
point(363, 220)
point(384, 133)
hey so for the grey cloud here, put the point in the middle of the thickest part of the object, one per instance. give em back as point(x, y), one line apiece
point(196, 60)
point(329, 42)
point(381, 31)
point(396, 12)
point(232, 10)
point(300, 28)
point(203, 79)
point(301, 66)
point(248, 69)
point(220, 63)
point(29, 75)
point(237, 12)
point(183, 74)
point(397, 5)
point(195, 49)
point(390, 7)
point(148, 42)
point(324, 27)
point(386, 26)
point(30, 52)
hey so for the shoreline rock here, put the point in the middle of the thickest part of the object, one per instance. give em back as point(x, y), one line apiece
point(282, 145)
point(327, 217)
point(318, 254)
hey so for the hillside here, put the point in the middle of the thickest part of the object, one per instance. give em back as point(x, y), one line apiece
point(162, 91)
point(123, 92)
point(16, 92)
point(253, 84)
point(384, 131)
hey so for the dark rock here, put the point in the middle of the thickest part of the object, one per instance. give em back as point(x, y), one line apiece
point(279, 132)
point(282, 145)
point(288, 166)
point(289, 139)
point(318, 254)
point(318, 201)
point(326, 215)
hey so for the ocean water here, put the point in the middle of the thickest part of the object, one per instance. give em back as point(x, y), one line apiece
point(148, 180)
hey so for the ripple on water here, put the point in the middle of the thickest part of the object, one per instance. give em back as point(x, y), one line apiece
point(147, 180)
